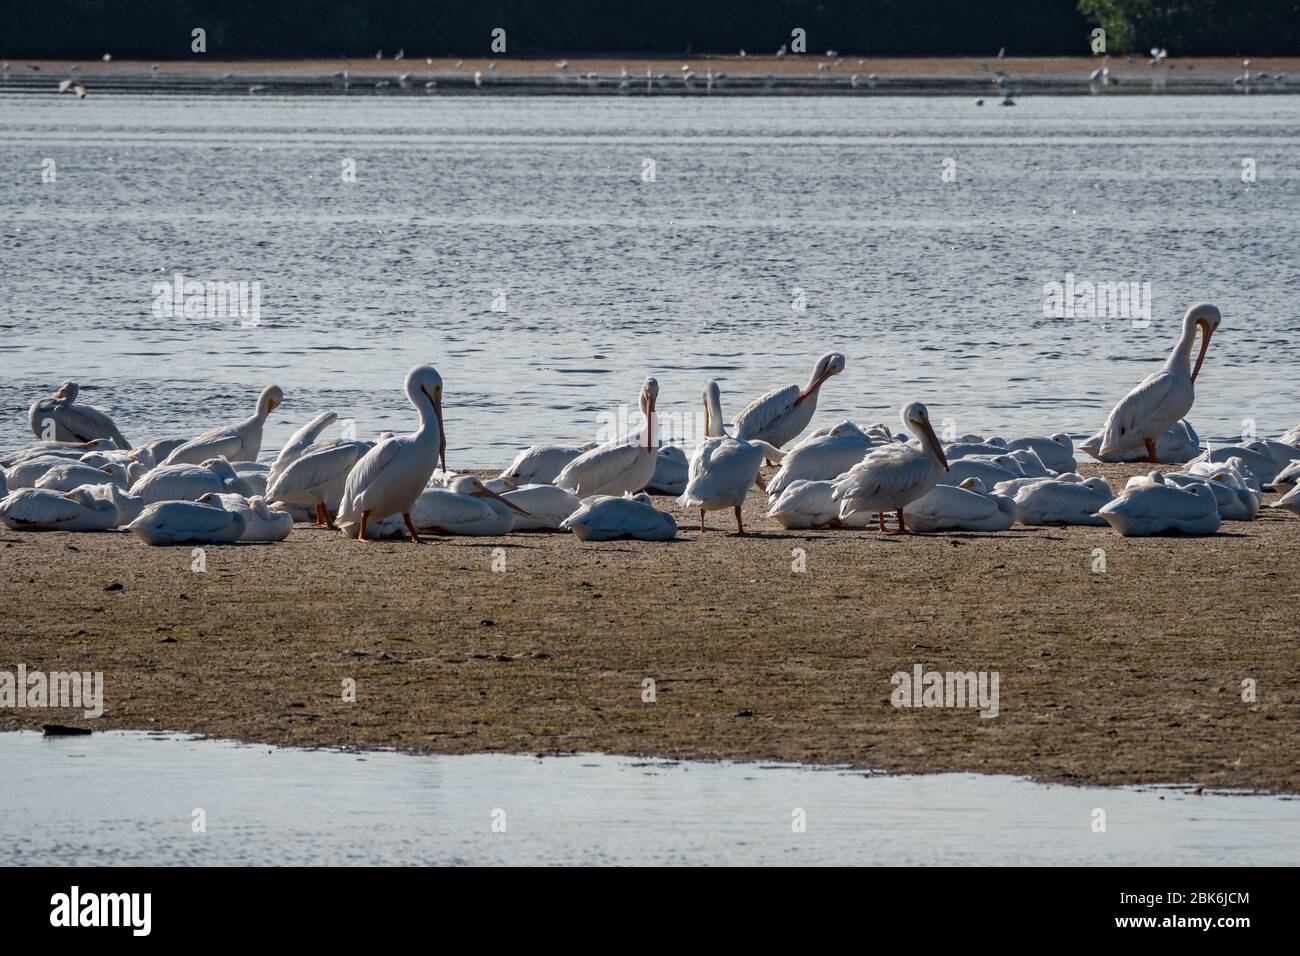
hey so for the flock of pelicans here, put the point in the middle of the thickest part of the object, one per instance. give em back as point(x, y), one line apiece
point(85, 475)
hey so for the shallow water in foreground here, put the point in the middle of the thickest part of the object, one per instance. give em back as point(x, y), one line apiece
point(129, 798)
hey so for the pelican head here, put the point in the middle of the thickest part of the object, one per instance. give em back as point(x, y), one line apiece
point(916, 418)
point(473, 485)
point(424, 391)
point(67, 392)
point(271, 396)
point(974, 484)
point(832, 363)
point(1207, 318)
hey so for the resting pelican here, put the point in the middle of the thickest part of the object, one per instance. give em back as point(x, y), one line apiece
point(1279, 451)
point(388, 479)
point(1156, 506)
point(546, 505)
point(805, 504)
point(1262, 467)
point(65, 449)
point(540, 464)
point(992, 472)
point(40, 509)
point(607, 518)
point(74, 474)
point(1057, 501)
point(1156, 405)
point(238, 442)
point(1235, 501)
point(822, 457)
point(72, 422)
point(965, 507)
point(260, 522)
point(672, 472)
point(615, 469)
point(465, 506)
point(317, 478)
point(1291, 436)
point(189, 482)
point(154, 453)
point(28, 471)
point(1056, 451)
point(184, 522)
point(1289, 501)
point(1286, 479)
point(299, 443)
point(723, 468)
point(894, 475)
point(781, 414)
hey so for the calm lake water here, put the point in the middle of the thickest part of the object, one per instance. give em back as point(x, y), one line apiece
point(129, 798)
point(933, 289)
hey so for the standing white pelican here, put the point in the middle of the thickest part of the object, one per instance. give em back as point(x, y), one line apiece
point(41, 509)
point(783, 413)
point(894, 475)
point(1146, 413)
point(1178, 445)
point(540, 464)
point(822, 457)
point(183, 522)
point(607, 518)
point(723, 468)
point(465, 506)
point(317, 477)
point(615, 469)
point(388, 479)
point(239, 442)
point(72, 422)
point(299, 443)
point(1155, 506)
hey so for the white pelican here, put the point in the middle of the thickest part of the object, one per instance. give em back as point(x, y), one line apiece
point(781, 414)
point(608, 517)
point(723, 469)
point(184, 522)
point(992, 472)
point(28, 471)
point(547, 506)
point(60, 449)
point(822, 457)
point(239, 442)
point(189, 482)
point(260, 522)
point(892, 476)
point(299, 443)
point(965, 507)
point(1058, 501)
point(1163, 397)
point(964, 448)
point(254, 474)
point(72, 422)
point(1235, 501)
point(1289, 501)
point(1263, 468)
point(389, 477)
point(154, 453)
point(1286, 479)
point(317, 477)
point(1280, 452)
point(1055, 451)
point(465, 506)
point(1233, 466)
point(40, 509)
point(805, 504)
point(1156, 506)
point(1030, 463)
point(1178, 445)
point(74, 474)
point(1291, 436)
point(541, 464)
point(672, 472)
point(615, 469)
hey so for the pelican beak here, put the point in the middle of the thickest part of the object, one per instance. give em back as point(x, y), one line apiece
point(442, 429)
point(812, 388)
point(489, 493)
point(1206, 332)
point(650, 424)
point(934, 443)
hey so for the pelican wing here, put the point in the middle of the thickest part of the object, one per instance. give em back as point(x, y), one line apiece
point(756, 418)
point(439, 508)
point(38, 507)
point(721, 467)
point(364, 474)
point(318, 475)
point(1151, 408)
point(819, 459)
point(225, 442)
point(184, 517)
point(885, 475)
point(594, 471)
point(1160, 501)
point(299, 442)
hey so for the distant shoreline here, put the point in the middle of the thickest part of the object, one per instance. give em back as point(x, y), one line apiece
point(684, 76)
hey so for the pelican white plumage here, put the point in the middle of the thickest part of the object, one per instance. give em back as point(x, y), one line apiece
point(389, 477)
point(1055, 451)
point(1057, 501)
point(299, 443)
point(804, 504)
point(254, 474)
point(892, 476)
point(723, 469)
point(187, 522)
point(57, 449)
point(154, 453)
point(238, 442)
point(189, 482)
point(1235, 501)
point(782, 414)
point(1164, 397)
point(1155, 506)
point(317, 478)
point(261, 523)
point(609, 517)
point(1282, 453)
point(822, 457)
point(27, 471)
point(1179, 445)
point(615, 469)
point(546, 505)
point(1286, 479)
point(964, 447)
point(41, 509)
point(1289, 501)
point(541, 464)
point(992, 471)
point(1262, 467)
point(466, 506)
point(965, 507)
point(71, 422)
point(74, 474)
point(672, 472)
point(1291, 436)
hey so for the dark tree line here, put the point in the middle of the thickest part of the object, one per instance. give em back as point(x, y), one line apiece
point(161, 29)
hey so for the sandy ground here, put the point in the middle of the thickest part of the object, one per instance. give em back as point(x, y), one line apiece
point(750, 74)
point(1129, 676)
